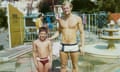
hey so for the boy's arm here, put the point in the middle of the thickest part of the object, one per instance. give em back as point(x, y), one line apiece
point(34, 53)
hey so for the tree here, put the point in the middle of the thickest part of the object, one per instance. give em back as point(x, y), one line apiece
point(44, 6)
point(83, 5)
point(108, 5)
point(3, 18)
point(117, 2)
point(47, 5)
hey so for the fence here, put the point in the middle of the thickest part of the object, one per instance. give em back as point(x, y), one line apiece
point(91, 24)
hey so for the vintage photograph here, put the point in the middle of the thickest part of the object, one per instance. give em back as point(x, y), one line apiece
point(59, 36)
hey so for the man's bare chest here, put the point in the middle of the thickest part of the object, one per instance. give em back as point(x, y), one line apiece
point(68, 24)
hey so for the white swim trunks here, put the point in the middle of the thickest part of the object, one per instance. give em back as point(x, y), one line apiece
point(70, 47)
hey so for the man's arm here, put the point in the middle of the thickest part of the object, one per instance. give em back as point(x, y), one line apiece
point(34, 53)
point(58, 29)
point(50, 50)
point(81, 29)
point(55, 35)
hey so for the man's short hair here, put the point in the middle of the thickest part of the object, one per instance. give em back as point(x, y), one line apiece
point(67, 2)
point(43, 29)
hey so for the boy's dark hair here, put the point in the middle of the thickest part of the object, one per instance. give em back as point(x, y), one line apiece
point(40, 15)
point(43, 29)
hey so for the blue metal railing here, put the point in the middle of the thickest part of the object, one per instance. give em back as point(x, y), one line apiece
point(90, 22)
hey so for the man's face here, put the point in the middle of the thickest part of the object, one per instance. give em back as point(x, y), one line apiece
point(42, 35)
point(66, 9)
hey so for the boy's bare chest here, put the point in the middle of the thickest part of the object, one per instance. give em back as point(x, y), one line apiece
point(42, 45)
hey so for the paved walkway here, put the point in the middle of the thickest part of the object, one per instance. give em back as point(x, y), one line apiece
point(12, 53)
point(19, 59)
point(24, 62)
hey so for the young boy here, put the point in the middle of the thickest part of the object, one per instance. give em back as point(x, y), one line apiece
point(42, 51)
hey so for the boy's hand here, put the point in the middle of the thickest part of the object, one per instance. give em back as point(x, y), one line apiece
point(37, 68)
point(50, 64)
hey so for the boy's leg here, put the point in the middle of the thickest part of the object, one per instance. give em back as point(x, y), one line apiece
point(47, 67)
point(40, 67)
point(74, 58)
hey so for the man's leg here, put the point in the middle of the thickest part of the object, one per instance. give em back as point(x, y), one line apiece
point(74, 58)
point(63, 59)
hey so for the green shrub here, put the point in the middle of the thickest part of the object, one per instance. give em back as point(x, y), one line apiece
point(3, 18)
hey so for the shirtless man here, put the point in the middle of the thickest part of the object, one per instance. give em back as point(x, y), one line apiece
point(69, 24)
point(42, 51)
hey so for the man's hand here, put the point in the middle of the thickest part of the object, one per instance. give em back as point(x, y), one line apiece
point(50, 39)
point(57, 16)
point(81, 51)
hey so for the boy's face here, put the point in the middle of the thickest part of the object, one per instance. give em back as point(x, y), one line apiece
point(42, 35)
